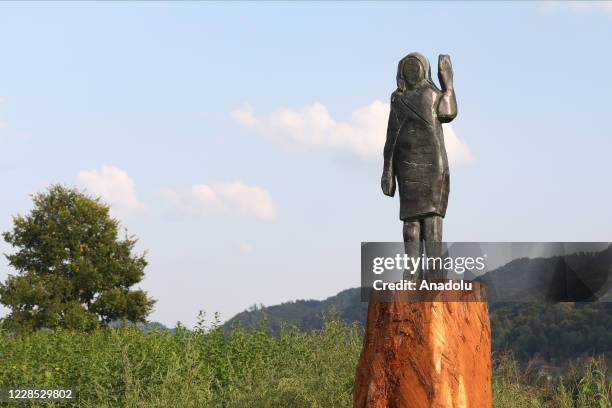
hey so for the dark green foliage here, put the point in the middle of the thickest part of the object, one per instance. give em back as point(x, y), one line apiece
point(553, 331)
point(73, 270)
point(558, 331)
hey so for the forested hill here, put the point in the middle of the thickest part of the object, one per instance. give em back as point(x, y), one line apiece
point(539, 326)
point(554, 331)
point(306, 314)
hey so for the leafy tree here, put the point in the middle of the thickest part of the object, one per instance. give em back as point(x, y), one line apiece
point(73, 270)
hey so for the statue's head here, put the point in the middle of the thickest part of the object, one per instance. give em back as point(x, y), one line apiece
point(412, 70)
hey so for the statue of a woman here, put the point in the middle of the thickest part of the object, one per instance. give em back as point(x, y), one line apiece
point(414, 152)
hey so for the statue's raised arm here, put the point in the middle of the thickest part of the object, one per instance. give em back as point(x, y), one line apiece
point(447, 108)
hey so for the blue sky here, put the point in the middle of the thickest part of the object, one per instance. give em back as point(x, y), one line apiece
point(239, 141)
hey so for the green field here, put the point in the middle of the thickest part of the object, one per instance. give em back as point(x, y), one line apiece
point(212, 367)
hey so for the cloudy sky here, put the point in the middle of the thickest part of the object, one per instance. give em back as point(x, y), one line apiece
point(242, 142)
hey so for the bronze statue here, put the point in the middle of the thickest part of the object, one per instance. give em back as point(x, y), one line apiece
point(414, 152)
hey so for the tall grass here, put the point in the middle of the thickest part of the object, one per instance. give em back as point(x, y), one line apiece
point(212, 367)
point(585, 387)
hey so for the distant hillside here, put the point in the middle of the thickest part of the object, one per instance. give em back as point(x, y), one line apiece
point(578, 277)
point(145, 327)
point(307, 314)
point(538, 328)
point(554, 331)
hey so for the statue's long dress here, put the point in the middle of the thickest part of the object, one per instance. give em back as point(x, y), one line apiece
point(420, 162)
point(414, 150)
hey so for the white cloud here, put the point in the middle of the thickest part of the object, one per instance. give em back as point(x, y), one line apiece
point(458, 152)
point(313, 127)
point(113, 185)
point(232, 198)
point(244, 247)
point(605, 6)
point(578, 6)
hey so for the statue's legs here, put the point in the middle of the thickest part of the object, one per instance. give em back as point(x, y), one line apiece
point(423, 236)
point(431, 228)
point(424, 229)
point(412, 231)
point(412, 245)
point(432, 237)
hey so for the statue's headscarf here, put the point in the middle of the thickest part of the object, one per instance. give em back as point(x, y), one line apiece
point(401, 82)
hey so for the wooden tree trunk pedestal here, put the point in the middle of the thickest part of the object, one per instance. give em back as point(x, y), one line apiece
point(426, 354)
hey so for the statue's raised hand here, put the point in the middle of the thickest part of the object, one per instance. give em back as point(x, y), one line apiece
point(445, 72)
